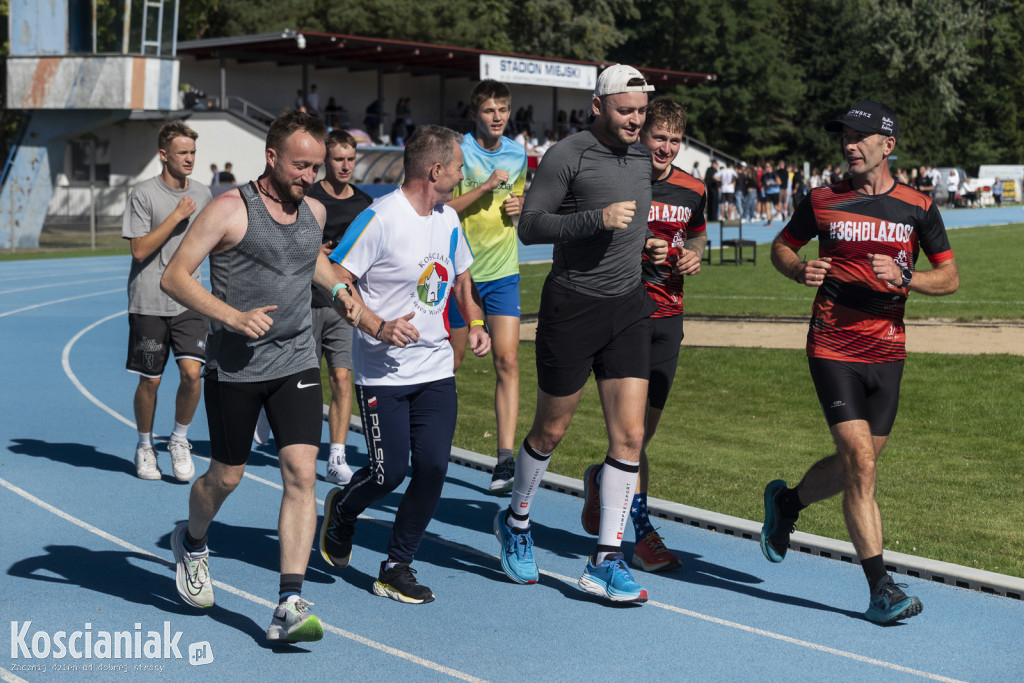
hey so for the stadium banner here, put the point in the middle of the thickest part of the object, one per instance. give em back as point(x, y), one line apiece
point(538, 72)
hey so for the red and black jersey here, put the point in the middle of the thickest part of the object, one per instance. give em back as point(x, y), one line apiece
point(856, 317)
point(677, 213)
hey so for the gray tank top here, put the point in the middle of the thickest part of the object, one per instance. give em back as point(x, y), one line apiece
point(273, 264)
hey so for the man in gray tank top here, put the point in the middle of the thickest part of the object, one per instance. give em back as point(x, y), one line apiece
point(263, 240)
point(590, 198)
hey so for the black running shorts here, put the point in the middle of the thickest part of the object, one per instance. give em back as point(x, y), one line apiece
point(858, 391)
point(666, 336)
point(577, 333)
point(152, 338)
point(294, 407)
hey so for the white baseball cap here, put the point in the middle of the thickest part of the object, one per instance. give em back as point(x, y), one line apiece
point(616, 79)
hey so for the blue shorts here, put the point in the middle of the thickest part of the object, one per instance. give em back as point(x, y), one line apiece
point(500, 297)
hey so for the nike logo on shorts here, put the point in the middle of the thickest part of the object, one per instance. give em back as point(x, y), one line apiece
point(300, 385)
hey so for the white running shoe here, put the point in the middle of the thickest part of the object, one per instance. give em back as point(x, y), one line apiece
point(192, 570)
point(338, 471)
point(262, 434)
point(145, 463)
point(181, 459)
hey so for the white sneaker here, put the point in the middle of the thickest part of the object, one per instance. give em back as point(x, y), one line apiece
point(338, 471)
point(262, 434)
point(181, 459)
point(145, 463)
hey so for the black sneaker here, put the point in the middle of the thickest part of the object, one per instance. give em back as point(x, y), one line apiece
point(503, 477)
point(890, 604)
point(335, 534)
point(399, 583)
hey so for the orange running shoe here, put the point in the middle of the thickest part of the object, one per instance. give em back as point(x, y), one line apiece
point(651, 555)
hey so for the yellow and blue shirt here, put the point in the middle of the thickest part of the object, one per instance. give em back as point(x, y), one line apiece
point(489, 230)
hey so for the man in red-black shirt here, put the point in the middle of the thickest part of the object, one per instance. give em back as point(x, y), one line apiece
point(676, 216)
point(870, 230)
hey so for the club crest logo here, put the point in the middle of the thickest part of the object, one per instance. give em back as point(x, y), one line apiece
point(432, 286)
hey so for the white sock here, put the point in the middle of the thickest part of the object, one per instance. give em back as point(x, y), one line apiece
point(530, 468)
point(337, 450)
point(179, 432)
point(145, 438)
point(617, 485)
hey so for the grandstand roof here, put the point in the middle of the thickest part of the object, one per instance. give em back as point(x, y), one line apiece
point(356, 53)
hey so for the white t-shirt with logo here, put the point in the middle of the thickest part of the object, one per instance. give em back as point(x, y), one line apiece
point(404, 263)
point(727, 177)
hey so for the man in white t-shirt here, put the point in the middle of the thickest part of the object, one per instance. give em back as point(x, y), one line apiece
point(727, 176)
point(405, 256)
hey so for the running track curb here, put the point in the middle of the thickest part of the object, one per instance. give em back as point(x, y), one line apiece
point(901, 563)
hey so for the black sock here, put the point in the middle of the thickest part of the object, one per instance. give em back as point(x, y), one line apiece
point(789, 502)
point(291, 584)
point(874, 569)
point(193, 544)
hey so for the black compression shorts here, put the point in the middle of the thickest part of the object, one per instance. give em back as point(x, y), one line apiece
point(294, 406)
point(666, 336)
point(858, 391)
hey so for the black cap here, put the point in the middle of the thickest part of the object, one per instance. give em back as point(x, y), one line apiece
point(868, 116)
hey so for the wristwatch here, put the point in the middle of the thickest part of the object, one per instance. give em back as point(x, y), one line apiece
point(907, 274)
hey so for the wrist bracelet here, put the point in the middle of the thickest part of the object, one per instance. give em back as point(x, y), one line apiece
point(334, 292)
point(474, 323)
point(379, 331)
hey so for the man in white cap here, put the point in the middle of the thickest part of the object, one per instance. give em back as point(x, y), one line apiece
point(591, 198)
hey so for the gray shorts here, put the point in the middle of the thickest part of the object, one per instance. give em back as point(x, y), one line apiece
point(333, 336)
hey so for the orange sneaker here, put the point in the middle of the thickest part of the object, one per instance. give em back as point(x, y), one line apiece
point(651, 555)
point(591, 515)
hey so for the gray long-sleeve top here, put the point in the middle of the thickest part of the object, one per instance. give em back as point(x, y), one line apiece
point(577, 178)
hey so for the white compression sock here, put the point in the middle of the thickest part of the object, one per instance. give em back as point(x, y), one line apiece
point(617, 485)
point(530, 468)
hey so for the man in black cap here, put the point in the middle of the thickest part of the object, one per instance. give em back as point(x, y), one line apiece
point(869, 231)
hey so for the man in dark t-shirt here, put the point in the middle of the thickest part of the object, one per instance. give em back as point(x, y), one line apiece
point(870, 230)
point(343, 202)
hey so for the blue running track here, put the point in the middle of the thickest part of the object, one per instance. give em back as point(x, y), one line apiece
point(85, 549)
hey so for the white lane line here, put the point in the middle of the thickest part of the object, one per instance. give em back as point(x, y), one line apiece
point(65, 360)
point(387, 649)
point(60, 301)
point(63, 283)
point(566, 579)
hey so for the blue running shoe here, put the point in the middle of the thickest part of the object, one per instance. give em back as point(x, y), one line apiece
point(611, 579)
point(777, 528)
point(516, 551)
point(889, 604)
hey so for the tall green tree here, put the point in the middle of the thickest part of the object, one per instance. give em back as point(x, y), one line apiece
point(751, 109)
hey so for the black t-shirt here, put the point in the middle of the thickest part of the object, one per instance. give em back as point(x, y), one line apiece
point(340, 214)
